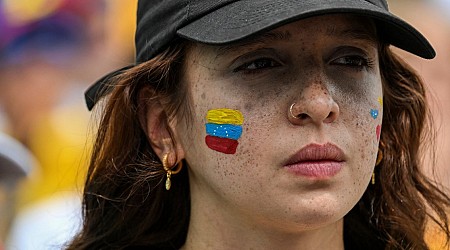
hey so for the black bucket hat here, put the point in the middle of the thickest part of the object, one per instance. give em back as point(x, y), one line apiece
point(221, 22)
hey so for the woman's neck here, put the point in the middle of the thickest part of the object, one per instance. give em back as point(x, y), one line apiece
point(217, 227)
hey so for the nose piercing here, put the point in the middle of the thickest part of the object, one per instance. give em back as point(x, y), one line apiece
point(290, 111)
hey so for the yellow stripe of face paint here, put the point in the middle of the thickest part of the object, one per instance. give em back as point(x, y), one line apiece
point(225, 116)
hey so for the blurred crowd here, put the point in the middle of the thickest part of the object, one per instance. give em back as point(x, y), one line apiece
point(52, 50)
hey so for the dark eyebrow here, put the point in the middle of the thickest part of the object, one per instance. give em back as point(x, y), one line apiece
point(354, 34)
point(264, 38)
point(276, 35)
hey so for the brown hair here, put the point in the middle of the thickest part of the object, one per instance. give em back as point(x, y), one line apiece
point(126, 205)
point(406, 198)
point(124, 202)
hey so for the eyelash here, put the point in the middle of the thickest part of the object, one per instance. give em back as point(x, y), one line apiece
point(257, 67)
point(354, 61)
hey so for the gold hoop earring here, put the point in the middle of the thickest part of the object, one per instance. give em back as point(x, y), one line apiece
point(169, 170)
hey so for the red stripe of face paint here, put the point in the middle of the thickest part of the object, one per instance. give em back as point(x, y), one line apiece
point(223, 145)
point(378, 132)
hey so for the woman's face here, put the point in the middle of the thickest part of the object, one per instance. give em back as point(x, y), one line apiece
point(298, 172)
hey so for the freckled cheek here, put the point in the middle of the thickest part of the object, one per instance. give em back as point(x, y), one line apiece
point(210, 167)
point(218, 139)
point(254, 138)
point(365, 134)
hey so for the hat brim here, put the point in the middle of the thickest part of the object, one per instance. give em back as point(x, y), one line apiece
point(242, 19)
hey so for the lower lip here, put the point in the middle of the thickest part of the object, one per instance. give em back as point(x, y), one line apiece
point(316, 169)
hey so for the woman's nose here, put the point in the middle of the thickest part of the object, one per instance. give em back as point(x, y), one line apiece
point(315, 105)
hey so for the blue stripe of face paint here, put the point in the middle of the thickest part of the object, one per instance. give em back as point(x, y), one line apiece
point(224, 130)
point(374, 113)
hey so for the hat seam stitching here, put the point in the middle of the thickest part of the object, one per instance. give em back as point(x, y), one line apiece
point(188, 12)
point(384, 6)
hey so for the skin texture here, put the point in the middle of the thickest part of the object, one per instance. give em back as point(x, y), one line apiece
point(328, 66)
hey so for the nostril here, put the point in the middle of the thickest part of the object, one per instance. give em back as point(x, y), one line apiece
point(303, 116)
point(332, 116)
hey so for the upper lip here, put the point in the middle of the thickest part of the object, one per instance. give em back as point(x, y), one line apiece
point(317, 152)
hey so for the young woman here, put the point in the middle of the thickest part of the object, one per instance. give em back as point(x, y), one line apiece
point(263, 125)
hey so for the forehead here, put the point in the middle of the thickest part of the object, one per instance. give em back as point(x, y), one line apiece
point(333, 26)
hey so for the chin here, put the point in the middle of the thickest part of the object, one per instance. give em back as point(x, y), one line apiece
point(323, 210)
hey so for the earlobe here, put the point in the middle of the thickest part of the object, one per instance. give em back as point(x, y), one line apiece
point(159, 127)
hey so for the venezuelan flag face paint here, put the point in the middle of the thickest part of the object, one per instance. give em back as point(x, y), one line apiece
point(223, 129)
point(374, 114)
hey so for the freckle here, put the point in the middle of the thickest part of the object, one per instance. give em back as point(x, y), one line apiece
point(203, 96)
point(248, 107)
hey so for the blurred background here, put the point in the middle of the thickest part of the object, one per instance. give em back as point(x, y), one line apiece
point(52, 50)
point(432, 19)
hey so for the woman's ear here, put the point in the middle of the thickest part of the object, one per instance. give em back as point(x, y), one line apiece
point(159, 126)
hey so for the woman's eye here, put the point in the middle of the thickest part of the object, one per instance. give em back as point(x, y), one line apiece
point(258, 64)
point(353, 61)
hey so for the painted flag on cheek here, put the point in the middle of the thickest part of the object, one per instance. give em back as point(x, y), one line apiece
point(223, 129)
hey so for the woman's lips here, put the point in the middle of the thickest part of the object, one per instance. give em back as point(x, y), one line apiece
point(317, 161)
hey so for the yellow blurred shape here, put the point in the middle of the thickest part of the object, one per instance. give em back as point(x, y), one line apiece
point(23, 11)
point(435, 238)
point(59, 142)
point(121, 16)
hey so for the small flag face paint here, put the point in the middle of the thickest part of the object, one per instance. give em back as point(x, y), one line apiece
point(223, 129)
point(374, 113)
point(380, 101)
point(378, 131)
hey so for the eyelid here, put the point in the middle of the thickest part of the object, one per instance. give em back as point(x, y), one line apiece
point(267, 53)
point(347, 51)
